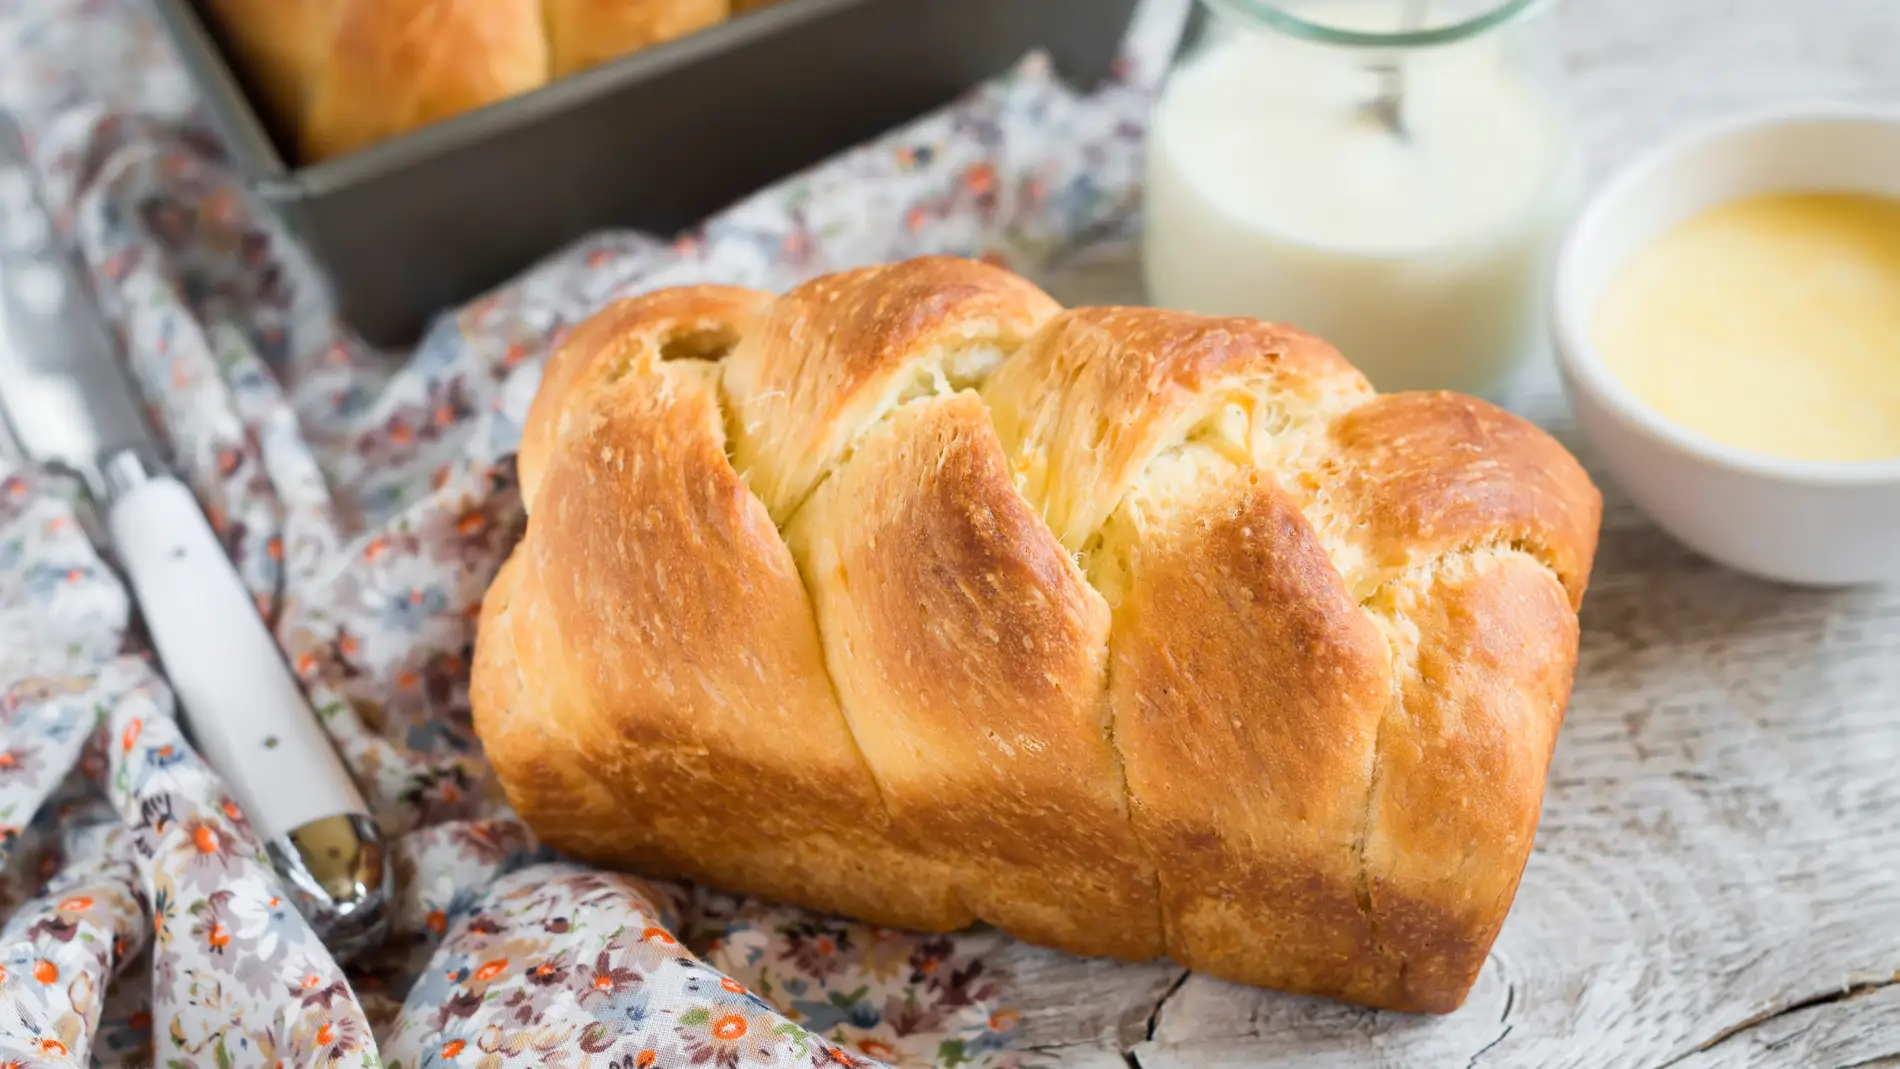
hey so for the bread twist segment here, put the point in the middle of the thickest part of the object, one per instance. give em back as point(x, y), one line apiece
point(648, 680)
point(967, 648)
point(1472, 533)
point(1246, 686)
point(1129, 631)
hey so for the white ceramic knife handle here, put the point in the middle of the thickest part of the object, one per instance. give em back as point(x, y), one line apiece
point(248, 716)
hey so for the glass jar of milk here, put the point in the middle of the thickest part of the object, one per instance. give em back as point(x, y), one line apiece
point(1391, 175)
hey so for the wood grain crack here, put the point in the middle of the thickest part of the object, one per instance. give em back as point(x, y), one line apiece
point(1472, 1062)
point(1845, 994)
point(1504, 1018)
point(1154, 1018)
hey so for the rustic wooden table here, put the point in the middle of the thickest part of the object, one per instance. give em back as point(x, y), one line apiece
point(1717, 876)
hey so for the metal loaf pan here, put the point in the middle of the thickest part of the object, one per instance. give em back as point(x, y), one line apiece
point(656, 141)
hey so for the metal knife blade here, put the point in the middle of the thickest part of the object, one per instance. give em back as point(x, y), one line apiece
point(68, 402)
point(66, 399)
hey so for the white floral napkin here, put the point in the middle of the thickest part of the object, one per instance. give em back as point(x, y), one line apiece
point(367, 498)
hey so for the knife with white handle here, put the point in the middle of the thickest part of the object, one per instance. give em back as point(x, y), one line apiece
point(69, 405)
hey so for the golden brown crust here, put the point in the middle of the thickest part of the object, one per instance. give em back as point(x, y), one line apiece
point(651, 686)
point(1129, 631)
point(1087, 406)
point(340, 75)
point(839, 351)
point(1432, 472)
point(584, 33)
point(1240, 661)
point(282, 46)
point(395, 65)
point(526, 736)
point(969, 653)
point(1487, 643)
point(634, 330)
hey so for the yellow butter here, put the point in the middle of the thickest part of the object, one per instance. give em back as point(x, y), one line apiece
point(1771, 324)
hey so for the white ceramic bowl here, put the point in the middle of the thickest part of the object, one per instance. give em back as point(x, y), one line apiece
point(1811, 523)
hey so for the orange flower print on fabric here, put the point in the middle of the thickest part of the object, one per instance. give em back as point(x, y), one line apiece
point(491, 969)
point(729, 1027)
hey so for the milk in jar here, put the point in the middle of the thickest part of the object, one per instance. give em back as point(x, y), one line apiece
point(1421, 251)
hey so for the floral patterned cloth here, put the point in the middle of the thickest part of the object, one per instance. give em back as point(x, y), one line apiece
point(367, 498)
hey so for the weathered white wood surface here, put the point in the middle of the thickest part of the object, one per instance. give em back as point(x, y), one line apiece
point(1717, 876)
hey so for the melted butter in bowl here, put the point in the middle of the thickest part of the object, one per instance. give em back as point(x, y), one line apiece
point(1770, 324)
point(1727, 319)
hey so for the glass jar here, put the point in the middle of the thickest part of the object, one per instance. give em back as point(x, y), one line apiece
point(1391, 175)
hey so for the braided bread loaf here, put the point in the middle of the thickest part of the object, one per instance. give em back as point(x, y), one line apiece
point(912, 597)
point(339, 75)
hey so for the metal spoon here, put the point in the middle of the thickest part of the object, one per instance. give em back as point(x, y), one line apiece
point(1387, 106)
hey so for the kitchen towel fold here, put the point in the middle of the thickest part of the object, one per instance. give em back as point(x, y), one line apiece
point(367, 498)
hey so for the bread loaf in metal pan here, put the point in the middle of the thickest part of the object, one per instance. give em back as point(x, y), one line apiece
point(340, 75)
point(913, 597)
